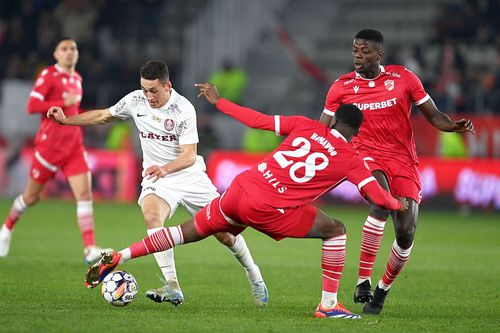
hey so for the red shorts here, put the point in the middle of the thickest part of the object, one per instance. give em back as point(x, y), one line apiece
point(403, 177)
point(44, 165)
point(235, 210)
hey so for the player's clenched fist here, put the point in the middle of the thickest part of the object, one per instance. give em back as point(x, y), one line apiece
point(209, 91)
point(57, 114)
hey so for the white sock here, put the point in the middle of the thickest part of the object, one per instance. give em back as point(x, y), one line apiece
point(165, 260)
point(360, 281)
point(126, 255)
point(241, 252)
point(328, 299)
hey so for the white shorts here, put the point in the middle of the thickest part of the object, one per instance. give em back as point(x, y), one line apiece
point(193, 196)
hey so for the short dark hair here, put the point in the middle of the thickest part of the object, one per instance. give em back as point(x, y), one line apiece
point(350, 115)
point(62, 39)
point(155, 69)
point(371, 35)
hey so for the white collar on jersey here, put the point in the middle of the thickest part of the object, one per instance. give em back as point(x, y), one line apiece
point(382, 70)
point(61, 70)
point(173, 95)
point(337, 134)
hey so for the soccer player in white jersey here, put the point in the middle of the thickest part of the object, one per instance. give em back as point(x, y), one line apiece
point(173, 173)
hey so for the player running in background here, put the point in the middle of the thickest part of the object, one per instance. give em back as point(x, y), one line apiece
point(173, 173)
point(385, 94)
point(274, 196)
point(58, 147)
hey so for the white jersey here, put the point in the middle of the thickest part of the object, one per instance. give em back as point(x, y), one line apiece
point(162, 131)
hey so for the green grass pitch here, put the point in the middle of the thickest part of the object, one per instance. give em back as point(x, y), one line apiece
point(450, 284)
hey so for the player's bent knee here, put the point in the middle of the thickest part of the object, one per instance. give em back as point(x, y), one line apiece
point(379, 213)
point(152, 219)
point(225, 238)
point(30, 200)
point(404, 237)
point(337, 228)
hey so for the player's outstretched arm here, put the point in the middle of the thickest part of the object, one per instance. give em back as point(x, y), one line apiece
point(93, 117)
point(441, 121)
point(247, 116)
point(383, 198)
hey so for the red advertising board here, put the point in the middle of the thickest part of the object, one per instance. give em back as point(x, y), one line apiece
point(472, 181)
point(114, 176)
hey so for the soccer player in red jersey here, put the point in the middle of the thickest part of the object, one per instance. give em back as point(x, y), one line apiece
point(58, 147)
point(274, 196)
point(385, 94)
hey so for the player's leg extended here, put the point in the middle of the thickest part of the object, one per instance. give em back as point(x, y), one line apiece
point(238, 247)
point(29, 197)
point(405, 225)
point(161, 240)
point(81, 186)
point(373, 230)
point(333, 234)
point(155, 211)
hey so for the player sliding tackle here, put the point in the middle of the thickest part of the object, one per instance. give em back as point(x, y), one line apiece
point(274, 196)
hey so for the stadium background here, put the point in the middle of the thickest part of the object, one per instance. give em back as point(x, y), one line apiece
point(290, 50)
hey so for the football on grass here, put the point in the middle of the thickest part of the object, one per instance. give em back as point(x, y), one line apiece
point(119, 288)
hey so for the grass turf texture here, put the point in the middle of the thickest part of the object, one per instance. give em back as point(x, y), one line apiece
point(450, 284)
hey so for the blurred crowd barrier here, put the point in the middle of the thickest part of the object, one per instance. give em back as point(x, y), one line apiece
point(114, 176)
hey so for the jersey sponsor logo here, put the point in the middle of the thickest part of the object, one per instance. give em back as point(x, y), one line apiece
point(150, 188)
point(174, 108)
point(389, 84)
point(376, 105)
point(35, 173)
point(153, 136)
point(268, 175)
point(182, 127)
point(350, 81)
point(136, 98)
point(121, 105)
point(371, 84)
point(208, 214)
point(356, 88)
point(169, 124)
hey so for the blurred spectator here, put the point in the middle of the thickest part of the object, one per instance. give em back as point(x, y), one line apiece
point(230, 81)
point(448, 90)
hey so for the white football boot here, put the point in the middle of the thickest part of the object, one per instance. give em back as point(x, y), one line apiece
point(91, 254)
point(170, 292)
point(259, 290)
point(5, 237)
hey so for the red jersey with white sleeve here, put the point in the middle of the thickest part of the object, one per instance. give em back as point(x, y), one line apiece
point(386, 105)
point(51, 87)
point(309, 162)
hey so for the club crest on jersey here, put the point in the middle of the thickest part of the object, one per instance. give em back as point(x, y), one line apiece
point(169, 124)
point(389, 84)
point(356, 88)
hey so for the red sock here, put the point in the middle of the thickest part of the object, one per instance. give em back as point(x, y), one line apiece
point(18, 207)
point(332, 262)
point(397, 260)
point(373, 230)
point(162, 240)
point(85, 216)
